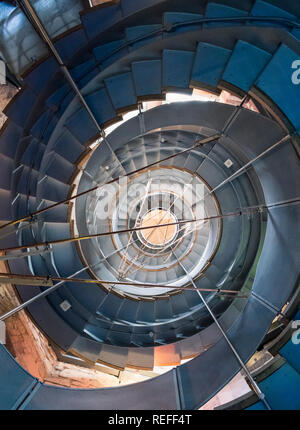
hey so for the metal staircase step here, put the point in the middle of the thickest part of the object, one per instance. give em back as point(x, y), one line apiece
point(33, 154)
point(110, 52)
point(130, 7)
point(72, 41)
point(176, 68)
point(190, 347)
point(68, 147)
point(81, 126)
point(128, 310)
point(263, 8)
point(121, 91)
point(104, 111)
point(290, 351)
point(179, 304)
point(86, 348)
point(285, 380)
point(146, 312)
point(140, 358)
point(273, 73)
point(95, 331)
point(10, 135)
point(167, 355)
point(242, 52)
point(142, 31)
point(119, 337)
point(216, 10)
point(17, 111)
point(163, 309)
point(103, 17)
point(47, 69)
point(6, 169)
point(5, 207)
point(110, 306)
point(52, 189)
point(58, 167)
point(209, 64)
point(25, 180)
point(113, 356)
point(147, 77)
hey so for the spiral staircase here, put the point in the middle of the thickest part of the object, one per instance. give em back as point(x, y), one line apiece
point(81, 69)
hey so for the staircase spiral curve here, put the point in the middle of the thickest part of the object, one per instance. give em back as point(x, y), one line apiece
point(244, 235)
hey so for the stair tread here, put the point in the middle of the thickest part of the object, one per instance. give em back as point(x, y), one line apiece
point(147, 77)
point(176, 69)
point(121, 90)
point(209, 64)
point(241, 55)
point(274, 72)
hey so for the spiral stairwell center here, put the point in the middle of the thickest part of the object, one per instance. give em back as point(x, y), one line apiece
point(141, 216)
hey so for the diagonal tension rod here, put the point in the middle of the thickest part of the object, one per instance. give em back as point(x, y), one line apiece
point(44, 281)
point(34, 214)
point(47, 281)
point(243, 211)
point(129, 230)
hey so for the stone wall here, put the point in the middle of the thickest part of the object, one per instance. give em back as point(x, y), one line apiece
point(32, 351)
point(7, 92)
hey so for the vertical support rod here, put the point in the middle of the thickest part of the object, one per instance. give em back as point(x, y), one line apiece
point(255, 386)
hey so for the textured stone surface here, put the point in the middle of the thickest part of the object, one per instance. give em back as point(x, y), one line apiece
point(33, 352)
point(7, 92)
point(228, 98)
point(29, 346)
